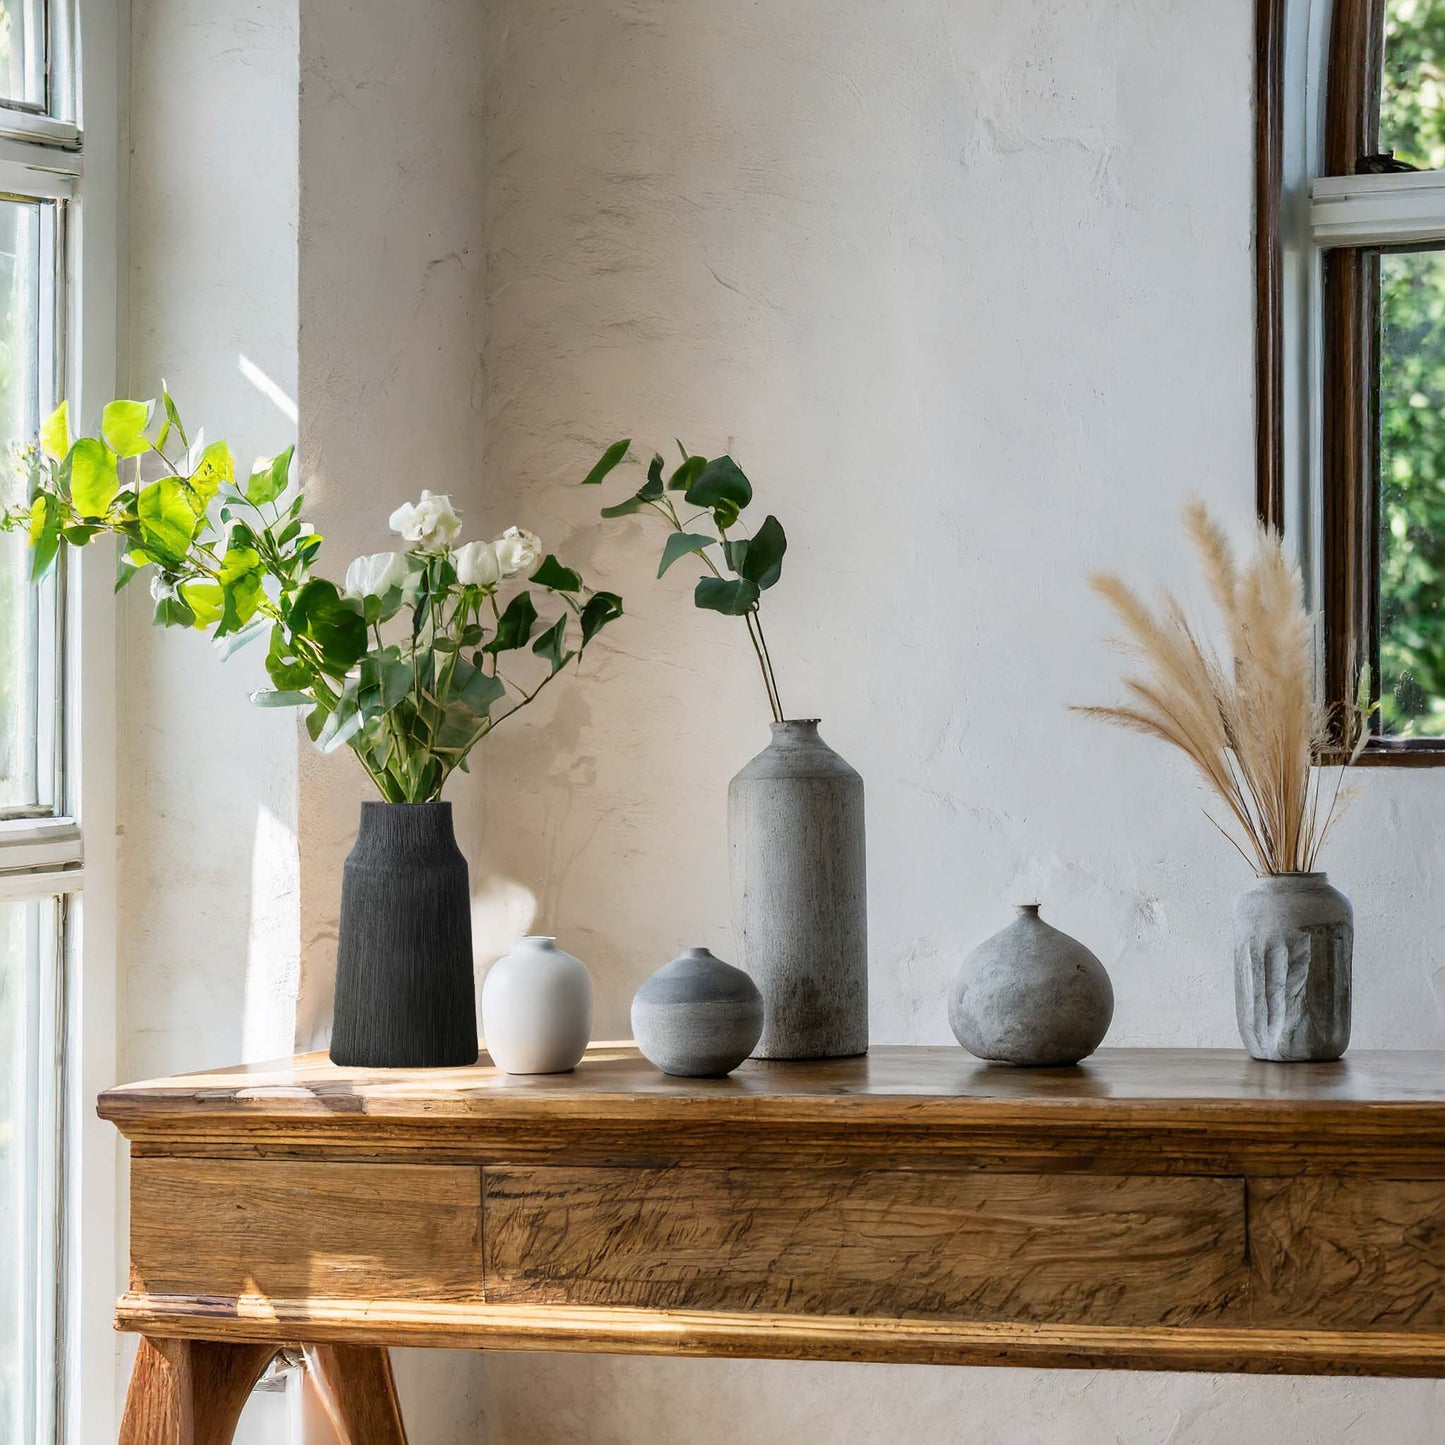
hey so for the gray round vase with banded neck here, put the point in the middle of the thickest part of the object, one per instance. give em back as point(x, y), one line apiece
point(800, 894)
point(1031, 996)
point(1294, 941)
point(697, 1017)
point(405, 996)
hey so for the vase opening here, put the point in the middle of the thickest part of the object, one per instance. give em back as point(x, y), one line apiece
point(539, 938)
point(1027, 910)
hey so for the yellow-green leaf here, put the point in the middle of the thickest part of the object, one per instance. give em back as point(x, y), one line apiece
point(94, 480)
point(216, 465)
point(123, 425)
point(55, 433)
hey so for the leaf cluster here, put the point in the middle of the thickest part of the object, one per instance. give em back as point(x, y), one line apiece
point(410, 680)
point(709, 525)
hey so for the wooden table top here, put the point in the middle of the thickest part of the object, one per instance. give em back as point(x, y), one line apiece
point(890, 1083)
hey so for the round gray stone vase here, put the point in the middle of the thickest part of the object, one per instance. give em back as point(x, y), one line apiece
point(799, 894)
point(1294, 940)
point(697, 1017)
point(405, 996)
point(1031, 996)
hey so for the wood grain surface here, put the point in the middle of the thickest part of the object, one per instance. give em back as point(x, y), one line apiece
point(1153, 1209)
point(701, 1333)
point(1350, 1253)
point(1163, 1110)
point(247, 1227)
point(189, 1392)
point(355, 1386)
point(1083, 1249)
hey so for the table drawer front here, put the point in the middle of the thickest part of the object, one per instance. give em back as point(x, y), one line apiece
point(1348, 1253)
point(286, 1230)
point(971, 1246)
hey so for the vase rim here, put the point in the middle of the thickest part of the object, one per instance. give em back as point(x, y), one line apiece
point(797, 722)
point(1294, 873)
point(387, 803)
point(538, 938)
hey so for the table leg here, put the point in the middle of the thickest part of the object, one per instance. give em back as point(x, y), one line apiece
point(358, 1392)
point(189, 1392)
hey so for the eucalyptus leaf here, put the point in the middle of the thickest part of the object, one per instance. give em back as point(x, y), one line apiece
point(479, 690)
point(123, 425)
point(173, 612)
point(601, 608)
point(233, 642)
point(683, 544)
point(763, 562)
point(553, 575)
point(173, 417)
point(167, 520)
point(333, 624)
point(45, 523)
point(268, 697)
point(94, 478)
point(722, 488)
point(282, 665)
point(216, 465)
point(686, 474)
point(733, 596)
point(515, 626)
point(55, 433)
point(241, 586)
point(606, 462)
point(205, 599)
point(270, 477)
point(551, 643)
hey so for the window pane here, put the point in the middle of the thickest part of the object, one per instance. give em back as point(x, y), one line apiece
point(1412, 96)
point(22, 53)
point(26, 612)
point(28, 1157)
point(1412, 493)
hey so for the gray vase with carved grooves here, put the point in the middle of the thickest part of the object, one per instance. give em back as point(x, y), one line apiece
point(799, 890)
point(405, 996)
point(1294, 939)
point(1031, 996)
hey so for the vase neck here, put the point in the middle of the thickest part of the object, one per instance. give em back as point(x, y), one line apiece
point(798, 729)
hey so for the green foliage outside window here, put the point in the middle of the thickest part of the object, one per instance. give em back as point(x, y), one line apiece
point(1412, 393)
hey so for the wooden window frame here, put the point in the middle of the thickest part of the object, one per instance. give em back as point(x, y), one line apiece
point(1348, 557)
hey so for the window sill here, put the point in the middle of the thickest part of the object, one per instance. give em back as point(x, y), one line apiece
point(1411, 753)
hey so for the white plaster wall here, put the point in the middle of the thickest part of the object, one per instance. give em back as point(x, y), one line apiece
point(966, 287)
point(207, 801)
point(391, 252)
point(208, 919)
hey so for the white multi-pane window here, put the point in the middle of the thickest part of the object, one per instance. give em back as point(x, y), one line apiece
point(41, 856)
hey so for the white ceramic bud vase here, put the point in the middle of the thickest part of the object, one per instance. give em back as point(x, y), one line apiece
point(537, 1009)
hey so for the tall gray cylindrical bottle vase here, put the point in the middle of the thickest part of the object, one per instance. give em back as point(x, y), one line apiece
point(799, 894)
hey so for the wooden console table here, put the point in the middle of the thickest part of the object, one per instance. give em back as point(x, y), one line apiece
point(1153, 1209)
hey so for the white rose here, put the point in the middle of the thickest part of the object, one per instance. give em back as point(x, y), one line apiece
point(517, 549)
point(430, 522)
point(477, 564)
point(371, 576)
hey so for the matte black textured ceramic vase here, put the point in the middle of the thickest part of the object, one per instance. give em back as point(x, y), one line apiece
point(405, 997)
